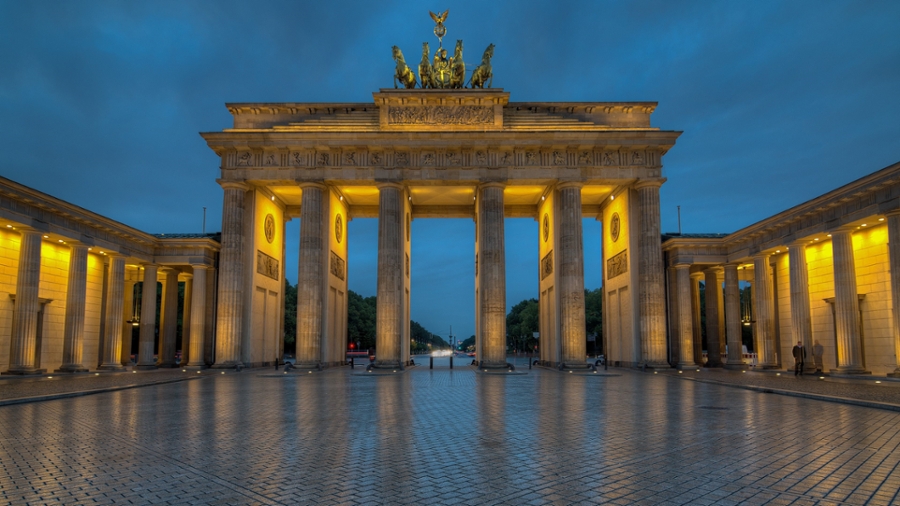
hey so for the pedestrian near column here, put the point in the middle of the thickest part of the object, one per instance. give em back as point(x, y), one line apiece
point(818, 352)
point(799, 353)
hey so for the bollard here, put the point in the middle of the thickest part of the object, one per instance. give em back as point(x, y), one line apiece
point(431, 362)
point(352, 363)
point(451, 361)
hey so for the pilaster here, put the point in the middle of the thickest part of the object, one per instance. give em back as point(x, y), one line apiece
point(893, 226)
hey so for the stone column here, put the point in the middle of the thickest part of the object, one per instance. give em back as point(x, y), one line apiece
point(186, 319)
point(127, 324)
point(169, 317)
point(23, 343)
point(685, 319)
point(390, 276)
point(229, 315)
point(147, 338)
point(76, 296)
point(801, 322)
point(198, 317)
point(492, 274)
point(570, 278)
point(651, 299)
point(762, 308)
point(713, 289)
point(674, 326)
point(312, 276)
point(697, 336)
point(846, 304)
point(893, 226)
point(733, 329)
point(115, 300)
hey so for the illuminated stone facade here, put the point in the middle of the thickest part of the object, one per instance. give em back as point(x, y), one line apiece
point(67, 288)
point(825, 271)
point(413, 154)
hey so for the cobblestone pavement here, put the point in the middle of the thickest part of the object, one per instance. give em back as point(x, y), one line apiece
point(446, 437)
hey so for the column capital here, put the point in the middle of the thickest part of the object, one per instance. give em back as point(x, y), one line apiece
point(25, 230)
point(760, 256)
point(731, 265)
point(713, 269)
point(845, 230)
point(696, 275)
point(309, 184)
point(569, 184)
point(492, 184)
point(200, 266)
point(893, 212)
point(649, 183)
point(682, 267)
point(798, 243)
point(388, 184)
point(233, 185)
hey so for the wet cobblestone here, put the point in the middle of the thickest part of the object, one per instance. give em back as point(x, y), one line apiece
point(446, 437)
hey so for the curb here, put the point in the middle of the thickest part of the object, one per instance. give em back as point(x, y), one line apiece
point(81, 393)
point(805, 395)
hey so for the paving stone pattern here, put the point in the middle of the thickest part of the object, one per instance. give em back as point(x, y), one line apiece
point(446, 437)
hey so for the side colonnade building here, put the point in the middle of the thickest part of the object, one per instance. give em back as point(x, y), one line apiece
point(74, 286)
point(826, 271)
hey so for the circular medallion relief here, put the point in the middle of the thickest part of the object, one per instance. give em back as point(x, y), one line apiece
point(338, 228)
point(546, 227)
point(614, 226)
point(269, 227)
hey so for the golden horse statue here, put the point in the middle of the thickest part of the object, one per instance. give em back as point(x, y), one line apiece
point(458, 72)
point(483, 73)
point(402, 73)
point(426, 72)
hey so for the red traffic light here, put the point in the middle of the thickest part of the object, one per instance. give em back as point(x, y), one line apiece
point(352, 346)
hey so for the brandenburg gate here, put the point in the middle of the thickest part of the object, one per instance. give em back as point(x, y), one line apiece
point(433, 153)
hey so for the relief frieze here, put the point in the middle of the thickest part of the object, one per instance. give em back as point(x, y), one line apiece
point(336, 266)
point(547, 265)
point(266, 265)
point(441, 115)
point(617, 265)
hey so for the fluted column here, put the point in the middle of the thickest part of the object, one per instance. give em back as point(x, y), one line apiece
point(712, 296)
point(76, 296)
point(733, 329)
point(186, 319)
point(390, 277)
point(229, 315)
point(169, 323)
point(763, 308)
point(685, 319)
point(23, 344)
point(846, 304)
point(651, 299)
point(311, 276)
point(801, 321)
point(893, 226)
point(570, 278)
point(697, 336)
point(492, 275)
point(115, 301)
point(127, 324)
point(147, 338)
point(674, 328)
point(198, 317)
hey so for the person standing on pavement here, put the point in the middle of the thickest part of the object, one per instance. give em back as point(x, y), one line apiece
point(818, 352)
point(799, 357)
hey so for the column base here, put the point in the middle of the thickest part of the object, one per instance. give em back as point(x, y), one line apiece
point(895, 374)
point(195, 367)
point(145, 367)
point(72, 368)
point(850, 370)
point(736, 366)
point(657, 365)
point(167, 365)
point(686, 366)
point(230, 364)
point(714, 363)
point(25, 372)
point(388, 365)
point(110, 368)
point(768, 367)
point(493, 365)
